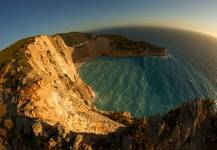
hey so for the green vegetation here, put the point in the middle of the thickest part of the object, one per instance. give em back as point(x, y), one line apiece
point(73, 38)
point(7, 53)
point(118, 38)
point(123, 43)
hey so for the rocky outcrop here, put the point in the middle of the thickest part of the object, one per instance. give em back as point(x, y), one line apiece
point(45, 105)
point(192, 126)
point(40, 83)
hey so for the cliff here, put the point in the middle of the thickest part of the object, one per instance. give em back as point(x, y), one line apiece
point(191, 126)
point(45, 105)
point(113, 45)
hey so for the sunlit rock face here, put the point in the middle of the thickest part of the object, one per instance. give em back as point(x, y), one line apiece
point(41, 83)
point(45, 105)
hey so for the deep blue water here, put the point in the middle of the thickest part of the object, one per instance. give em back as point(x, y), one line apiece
point(149, 85)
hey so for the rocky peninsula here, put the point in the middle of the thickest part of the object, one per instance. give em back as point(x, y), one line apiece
point(44, 104)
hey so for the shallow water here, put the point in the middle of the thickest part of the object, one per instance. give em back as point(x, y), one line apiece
point(149, 85)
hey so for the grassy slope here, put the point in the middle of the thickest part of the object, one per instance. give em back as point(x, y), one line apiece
point(73, 38)
point(7, 54)
point(123, 43)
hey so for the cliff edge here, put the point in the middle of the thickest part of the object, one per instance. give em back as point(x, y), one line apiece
point(45, 105)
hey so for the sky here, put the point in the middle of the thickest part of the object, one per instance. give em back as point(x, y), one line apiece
point(22, 18)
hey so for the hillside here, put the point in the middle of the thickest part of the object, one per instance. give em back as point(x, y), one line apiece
point(45, 105)
point(73, 38)
point(115, 45)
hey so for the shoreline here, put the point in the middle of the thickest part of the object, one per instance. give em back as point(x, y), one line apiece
point(79, 63)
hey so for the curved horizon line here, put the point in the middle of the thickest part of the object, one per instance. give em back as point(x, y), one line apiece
point(126, 26)
point(152, 26)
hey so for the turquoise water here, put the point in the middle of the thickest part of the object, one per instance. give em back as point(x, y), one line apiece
point(149, 85)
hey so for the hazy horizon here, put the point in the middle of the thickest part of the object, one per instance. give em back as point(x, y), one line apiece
point(24, 18)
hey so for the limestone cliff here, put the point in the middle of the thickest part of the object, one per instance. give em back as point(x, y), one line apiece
point(45, 105)
point(40, 82)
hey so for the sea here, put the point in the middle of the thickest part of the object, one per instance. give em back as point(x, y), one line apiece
point(147, 86)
